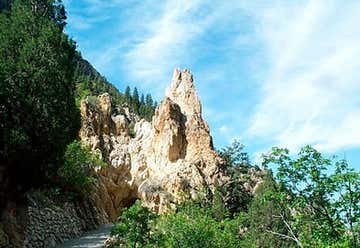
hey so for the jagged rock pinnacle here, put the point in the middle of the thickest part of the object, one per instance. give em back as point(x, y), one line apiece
point(168, 160)
point(182, 91)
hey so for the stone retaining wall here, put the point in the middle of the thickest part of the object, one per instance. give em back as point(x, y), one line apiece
point(44, 223)
point(52, 224)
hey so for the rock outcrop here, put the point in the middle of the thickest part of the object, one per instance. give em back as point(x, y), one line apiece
point(170, 159)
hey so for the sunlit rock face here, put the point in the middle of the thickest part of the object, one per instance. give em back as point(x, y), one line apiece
point(169, 160)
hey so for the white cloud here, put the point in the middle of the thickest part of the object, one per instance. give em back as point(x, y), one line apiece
point(310, 93)
point(302, 55)
point(166, 42)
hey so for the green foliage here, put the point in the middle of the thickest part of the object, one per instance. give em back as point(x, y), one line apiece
point(321, 194)
point(37, 107)
point(128, 94)
point(312, 202)
point(264, 223)
point(131, 130)
point(191, 225)
point(76, 172)
point(234, 156)
point(237, 166)
point(90, 83)
point(144, 107)
point(347, 184)
point(134, 227)
point(135, 102)
point(93, 100)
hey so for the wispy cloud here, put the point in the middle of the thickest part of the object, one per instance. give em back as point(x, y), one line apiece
point(310, 93)
point(166, 41)
point(271, 72)
point(150, 40)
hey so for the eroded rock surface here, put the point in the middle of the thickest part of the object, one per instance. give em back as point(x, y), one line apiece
point(170, 159)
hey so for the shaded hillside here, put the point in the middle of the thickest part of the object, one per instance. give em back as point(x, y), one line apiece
point(89, 82)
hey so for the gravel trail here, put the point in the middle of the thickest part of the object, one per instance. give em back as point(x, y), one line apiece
point(92, 239)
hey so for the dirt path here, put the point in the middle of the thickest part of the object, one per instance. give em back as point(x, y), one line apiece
point(92, 239)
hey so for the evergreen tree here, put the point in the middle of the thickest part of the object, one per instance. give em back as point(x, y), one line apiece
point(142, 111)
point(142, 99)
point(127, 95)
point(149, 101)
point(149, 109)
point(142, 108)
point(37, 107)
point(135, 101)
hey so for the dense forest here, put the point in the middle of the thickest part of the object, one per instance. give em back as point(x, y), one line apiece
point(307, 200)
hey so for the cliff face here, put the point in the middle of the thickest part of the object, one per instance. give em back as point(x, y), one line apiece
point(169, 160)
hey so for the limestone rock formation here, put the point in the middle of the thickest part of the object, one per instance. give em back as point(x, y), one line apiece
point(170, 159)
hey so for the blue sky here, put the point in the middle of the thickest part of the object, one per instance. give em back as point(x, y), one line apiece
point(269, 73)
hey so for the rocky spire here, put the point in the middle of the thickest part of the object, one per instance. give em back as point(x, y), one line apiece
point(167, 159)
point(182, 92)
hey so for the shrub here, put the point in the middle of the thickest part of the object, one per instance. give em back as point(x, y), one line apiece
point(76, 172)
point(133, 228)
point(191, 225)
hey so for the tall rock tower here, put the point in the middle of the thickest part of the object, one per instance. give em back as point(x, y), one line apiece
point(168, 161)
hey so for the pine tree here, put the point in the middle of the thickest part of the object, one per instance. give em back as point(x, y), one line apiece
point(135, 101)
point(142, 99)
point(127, 95)
point(149, 101)
point(142, 111)
point(142, 108)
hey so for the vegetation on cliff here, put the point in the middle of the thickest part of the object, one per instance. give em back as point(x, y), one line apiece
point(89, 82)
point(312, 201)
point(77, 170)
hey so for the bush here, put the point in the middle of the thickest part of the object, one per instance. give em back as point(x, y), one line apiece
point(237, 166)
point(76, 172)
point(191, 225)
point(133, 228)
